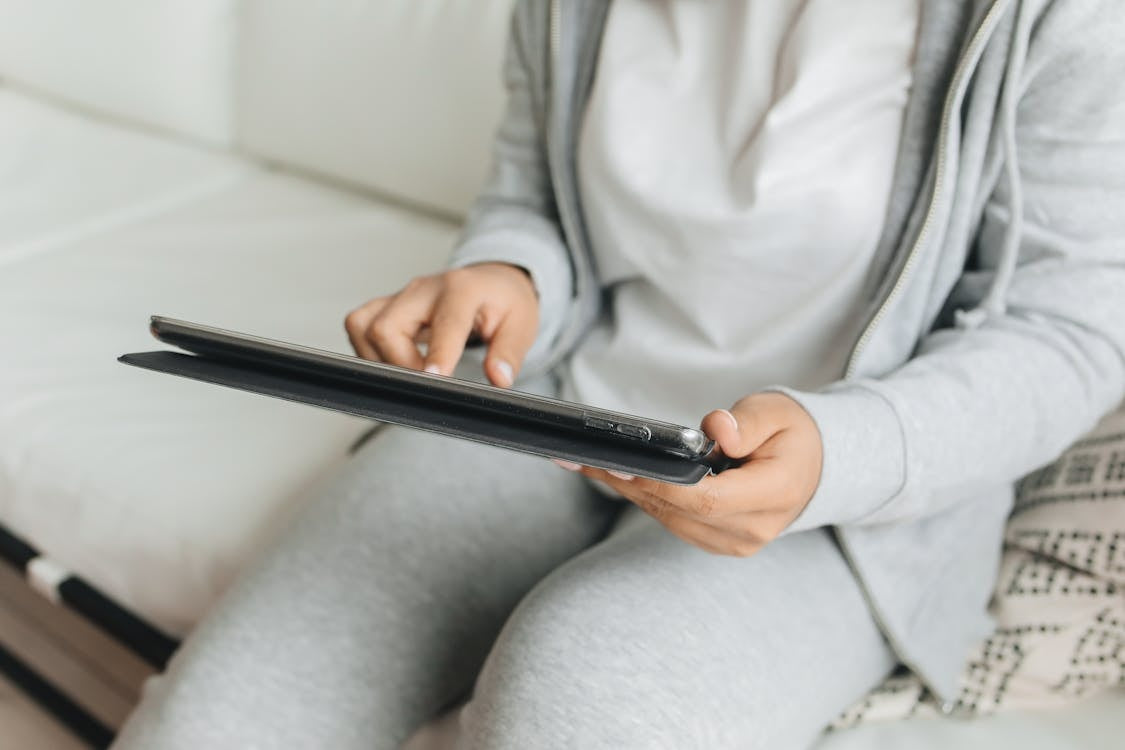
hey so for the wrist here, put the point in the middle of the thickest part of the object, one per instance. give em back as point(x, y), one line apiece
point(517, 271)
point(863, 463)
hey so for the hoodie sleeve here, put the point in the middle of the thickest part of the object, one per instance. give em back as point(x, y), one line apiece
point(514, 219)
point(984, 405)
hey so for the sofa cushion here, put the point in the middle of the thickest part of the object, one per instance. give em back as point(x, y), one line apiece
point(403, 100)
point(61, 176)
point(153, 488)
point(1092, 725)
point(165, 63)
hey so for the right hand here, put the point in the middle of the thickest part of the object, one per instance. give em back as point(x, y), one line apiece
point(495, 301)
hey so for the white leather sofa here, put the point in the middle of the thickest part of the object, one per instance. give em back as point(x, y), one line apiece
point(261, 165)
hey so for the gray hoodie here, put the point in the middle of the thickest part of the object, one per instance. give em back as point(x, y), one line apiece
point(996, 331)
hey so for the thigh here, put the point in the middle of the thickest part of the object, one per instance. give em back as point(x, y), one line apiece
point(379, 602)
point(645, 641)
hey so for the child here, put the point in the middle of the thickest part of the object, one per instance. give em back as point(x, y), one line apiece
point(888, 235)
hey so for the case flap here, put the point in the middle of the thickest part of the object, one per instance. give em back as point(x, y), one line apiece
point(411, 410)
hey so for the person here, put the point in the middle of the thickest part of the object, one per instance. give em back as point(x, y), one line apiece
point(887, 235)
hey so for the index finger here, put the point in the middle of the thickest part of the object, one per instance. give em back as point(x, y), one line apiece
point(357, 322)
point(705, 499)
point(753, 486)
point(450, 327)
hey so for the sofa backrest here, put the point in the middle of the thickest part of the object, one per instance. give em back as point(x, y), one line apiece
point(167, 64)
point(400, 97)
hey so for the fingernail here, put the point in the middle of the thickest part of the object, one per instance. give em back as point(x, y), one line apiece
point(568, 465)
point(433, 369)
point(505, 370)
point(733, 421)
point(622, 475)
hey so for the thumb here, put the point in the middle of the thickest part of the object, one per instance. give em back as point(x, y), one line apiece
point(748, 424)
point(507, 348)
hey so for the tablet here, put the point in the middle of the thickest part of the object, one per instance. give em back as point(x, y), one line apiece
point(497, 416)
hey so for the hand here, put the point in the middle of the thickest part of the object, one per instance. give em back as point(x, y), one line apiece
point(494, 301)
point(744, 508)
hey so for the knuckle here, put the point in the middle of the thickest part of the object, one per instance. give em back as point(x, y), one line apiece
point(444, 326)
point(746, 402)
point(382, 328)
point(752, 533)
point(457, 278)
point(414, 286)
point(661, 511)
point(489, 318)
point(758, 406)
point(708, 501)
point(353, 322)
point(743, 549)
point(446, 315)
point(750, 410)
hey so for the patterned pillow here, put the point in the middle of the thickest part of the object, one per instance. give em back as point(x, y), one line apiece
point(1060, 597)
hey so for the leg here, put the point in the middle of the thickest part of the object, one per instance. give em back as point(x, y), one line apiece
point(646, 642)
point(377, 607)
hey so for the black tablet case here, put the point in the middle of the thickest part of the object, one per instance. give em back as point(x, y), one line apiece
point(441, 415)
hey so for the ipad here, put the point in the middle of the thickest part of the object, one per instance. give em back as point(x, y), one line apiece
point(462, 408)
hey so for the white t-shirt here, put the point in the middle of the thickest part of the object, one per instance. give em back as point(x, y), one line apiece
point(735, 164)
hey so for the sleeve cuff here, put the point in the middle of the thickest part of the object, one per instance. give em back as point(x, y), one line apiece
point(864, 461)
point(548, 265)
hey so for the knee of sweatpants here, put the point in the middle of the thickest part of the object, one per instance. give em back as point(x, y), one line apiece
point(534, 679)
point(571, 669)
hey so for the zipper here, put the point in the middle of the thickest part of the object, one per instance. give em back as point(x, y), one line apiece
point(947, 707)
point(968, 60)
point(556, 33)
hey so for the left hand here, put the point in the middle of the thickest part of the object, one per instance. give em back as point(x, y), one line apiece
point(744, 508)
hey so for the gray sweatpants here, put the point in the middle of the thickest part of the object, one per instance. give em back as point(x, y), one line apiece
point(425, 559)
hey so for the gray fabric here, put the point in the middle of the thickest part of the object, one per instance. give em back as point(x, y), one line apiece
point(378, 606)
point(995, 338)
point(645, 641)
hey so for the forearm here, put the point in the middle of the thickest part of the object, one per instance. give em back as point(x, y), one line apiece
point(974, 408)
point(514, 219)
point(983, 406)
point(532, 243)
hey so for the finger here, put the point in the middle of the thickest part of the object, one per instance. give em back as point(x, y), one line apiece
point(685, 498)
point(508, 346)
point(758, 484)
point(739, 534)
point(749, 423)
point(612, 478)
point(698, 501)
point(393, 330)
point(713, 497)
point(358, 321)
point(452, 322)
